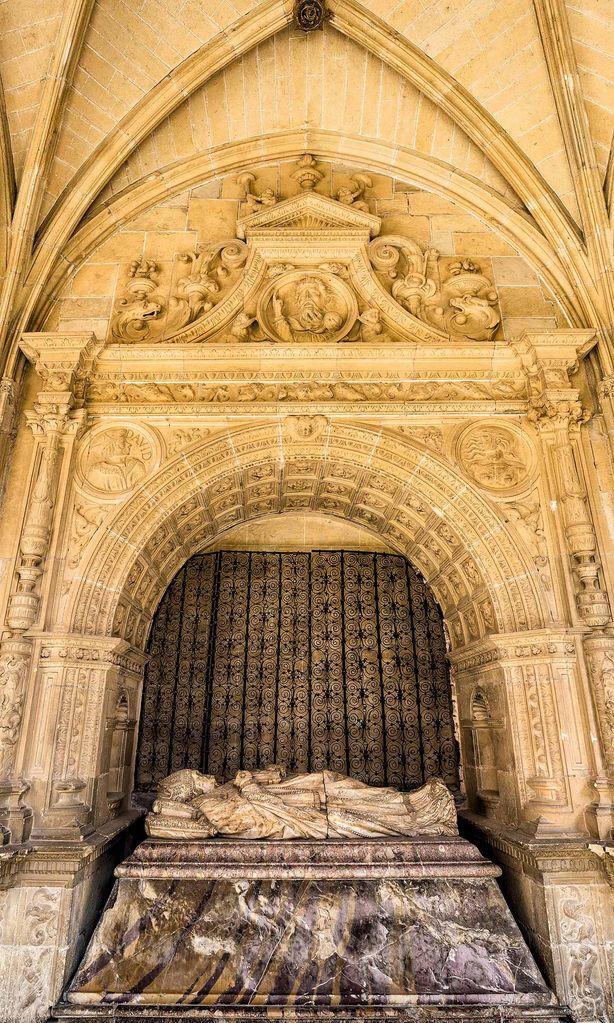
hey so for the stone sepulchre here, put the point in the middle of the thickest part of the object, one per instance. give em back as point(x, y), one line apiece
point(320, 894)
point(350, 372)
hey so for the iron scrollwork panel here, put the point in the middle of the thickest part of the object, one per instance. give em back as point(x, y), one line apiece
point(324, 660)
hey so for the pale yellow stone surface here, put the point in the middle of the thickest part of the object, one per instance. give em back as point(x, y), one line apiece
point(153, 404)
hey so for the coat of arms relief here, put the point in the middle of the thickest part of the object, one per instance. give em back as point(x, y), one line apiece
point(308, 269)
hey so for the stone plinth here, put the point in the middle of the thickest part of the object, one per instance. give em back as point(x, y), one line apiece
point(412, 929)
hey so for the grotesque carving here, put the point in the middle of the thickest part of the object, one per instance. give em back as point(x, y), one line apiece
point(471, 299)
point(463, 306)
point(137, 308)
point(116, 460)
point(266, 804)
point(86, 520)
point(12, 678)
point(494, 457)
point(307, 307)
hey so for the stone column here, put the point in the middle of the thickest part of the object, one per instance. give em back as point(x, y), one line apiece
point(57, 417)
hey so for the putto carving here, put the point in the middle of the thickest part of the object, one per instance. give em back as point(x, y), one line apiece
point(115, 460)
point(495, 457)
point(306, 307)
point(352, 194)
point(138, 310)
point(304, 428)
point(267, 197)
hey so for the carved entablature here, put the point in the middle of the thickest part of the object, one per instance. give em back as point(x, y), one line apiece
point(309, 269)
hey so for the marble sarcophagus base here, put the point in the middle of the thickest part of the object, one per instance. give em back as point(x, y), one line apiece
point(412, 929)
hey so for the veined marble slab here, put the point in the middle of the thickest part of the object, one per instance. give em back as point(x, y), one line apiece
point(281, 939)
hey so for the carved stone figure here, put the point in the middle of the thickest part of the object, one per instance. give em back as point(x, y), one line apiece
point(371, 328)
point(354, 196)
point(267, 196)
point(266, 804)
point(494, 458)
point(12, 676)
point(116, 460)
point(307, 307)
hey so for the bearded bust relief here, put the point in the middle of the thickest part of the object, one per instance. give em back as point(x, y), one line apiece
point(306, 307)
point(265, 804)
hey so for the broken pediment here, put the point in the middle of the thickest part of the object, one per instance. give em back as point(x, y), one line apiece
point(309, 269)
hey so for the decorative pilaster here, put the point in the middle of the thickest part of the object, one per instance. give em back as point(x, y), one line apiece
point(558, 422)
point(557, 412)
point(62, 363)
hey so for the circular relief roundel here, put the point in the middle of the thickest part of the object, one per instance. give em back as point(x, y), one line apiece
point(115, 460)
point(305, 306)
point(495, 457)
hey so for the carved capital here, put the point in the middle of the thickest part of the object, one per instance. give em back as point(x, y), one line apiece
point(63, 361)
point(605, 388)
point(555, 412)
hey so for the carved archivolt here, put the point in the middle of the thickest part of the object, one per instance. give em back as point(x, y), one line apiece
point(354, 473)
point(308, 269)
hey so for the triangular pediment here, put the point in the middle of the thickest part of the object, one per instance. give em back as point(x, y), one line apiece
point(309, 212)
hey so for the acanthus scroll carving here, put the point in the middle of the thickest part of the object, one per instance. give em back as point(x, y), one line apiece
point(463, 305)
point(393, 290)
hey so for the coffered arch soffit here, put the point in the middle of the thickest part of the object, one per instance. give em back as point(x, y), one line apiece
point(415, 501)
point(562, 248)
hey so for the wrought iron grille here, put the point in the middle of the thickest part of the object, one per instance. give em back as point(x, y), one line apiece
point(328, 659)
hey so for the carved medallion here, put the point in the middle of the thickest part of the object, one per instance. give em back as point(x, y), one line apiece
point(306, 307)
point(495, 457)
point(116, 460)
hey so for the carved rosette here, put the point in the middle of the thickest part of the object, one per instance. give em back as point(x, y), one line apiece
point(310, 15)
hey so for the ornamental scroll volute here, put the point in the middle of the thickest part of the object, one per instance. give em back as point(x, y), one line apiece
point(308, 269)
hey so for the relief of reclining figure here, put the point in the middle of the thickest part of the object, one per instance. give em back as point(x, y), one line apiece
point(265, 804)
